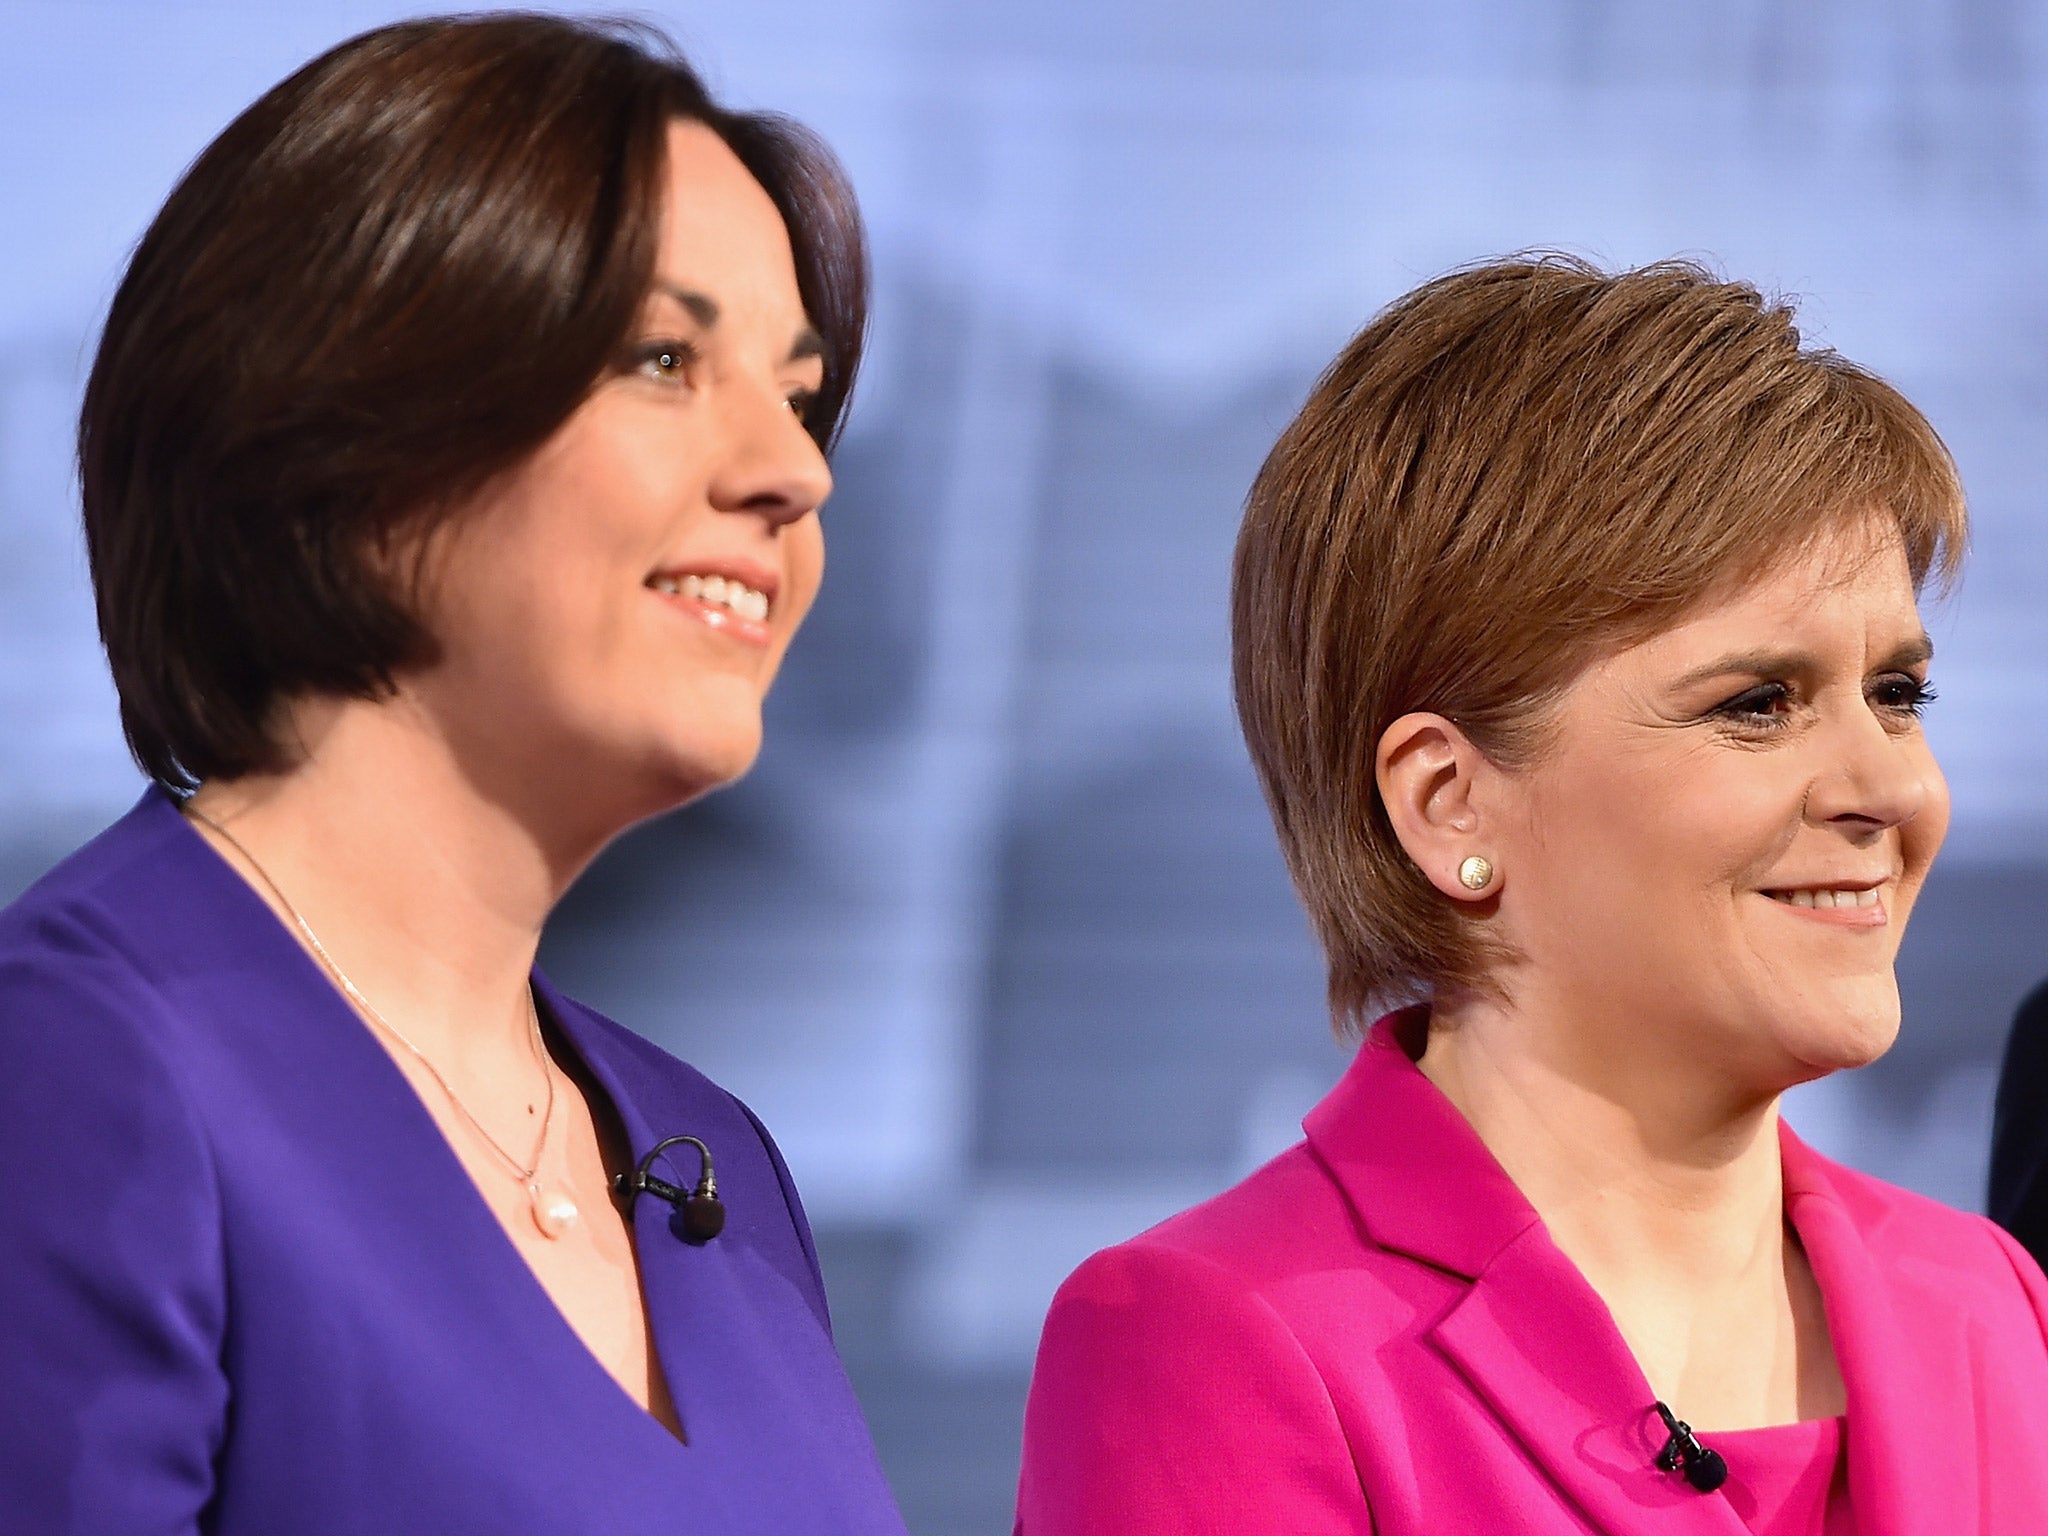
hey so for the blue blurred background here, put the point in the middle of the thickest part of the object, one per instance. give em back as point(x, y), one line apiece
point(996, 937)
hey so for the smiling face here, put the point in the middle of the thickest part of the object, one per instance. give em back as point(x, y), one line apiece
point(611, 613)
point(1714, 862)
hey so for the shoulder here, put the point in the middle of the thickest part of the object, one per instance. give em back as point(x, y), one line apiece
point(94, 1074)
point(86, 932)
point(661, 1081)
point(113, 1290)
point(1285, 1216)
point(1888, 1216)
point(667, 1092)
point(1205, 1291)
point(1170, 1362)
point(108, 872)
point(1921, 1243)
point(659, 1095)
point(1269, 1243)
point(76, 994)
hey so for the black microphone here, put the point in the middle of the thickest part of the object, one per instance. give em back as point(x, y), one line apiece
point(1704, 1467)
point(700, 1211)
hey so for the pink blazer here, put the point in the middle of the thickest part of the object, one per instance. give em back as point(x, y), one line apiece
point(1374, 1332)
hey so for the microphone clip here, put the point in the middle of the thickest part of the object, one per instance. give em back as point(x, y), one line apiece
point(699, 1212)
point(1704, 1467)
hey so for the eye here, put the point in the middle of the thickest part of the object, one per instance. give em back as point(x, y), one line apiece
point(1767, 705)
point(667, 360)
point(800, 402)
point(1902, 694)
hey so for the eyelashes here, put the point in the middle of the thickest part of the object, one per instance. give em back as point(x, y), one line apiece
point(667, 359)
point(671, 360)
point(1769, 706)
point(1904, 694)
point(1764, 705)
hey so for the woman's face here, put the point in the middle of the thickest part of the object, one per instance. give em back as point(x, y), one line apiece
point(612, 612)
point(1718, 856)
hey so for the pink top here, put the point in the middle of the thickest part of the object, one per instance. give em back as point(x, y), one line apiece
point(1791, 1480)
point(1375, 1334)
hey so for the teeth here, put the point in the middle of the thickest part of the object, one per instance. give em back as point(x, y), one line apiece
point(742, 599)
point(1827, 897)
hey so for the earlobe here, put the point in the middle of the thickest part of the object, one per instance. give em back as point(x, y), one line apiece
point(1427, 771)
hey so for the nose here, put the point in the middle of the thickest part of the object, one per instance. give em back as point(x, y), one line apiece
point(1877, 778)
point(769, 465)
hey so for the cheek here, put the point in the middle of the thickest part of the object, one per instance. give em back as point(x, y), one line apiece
point(803, 568)
point(1921, 837)
point(1657, 836)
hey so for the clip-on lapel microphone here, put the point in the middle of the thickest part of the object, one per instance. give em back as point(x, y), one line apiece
point(702, 1212)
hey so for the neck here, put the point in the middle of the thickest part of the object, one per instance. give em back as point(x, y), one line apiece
point(427, 892)
point(1638, 1168)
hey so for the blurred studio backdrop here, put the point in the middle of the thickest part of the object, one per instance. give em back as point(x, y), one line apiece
point(996, 938)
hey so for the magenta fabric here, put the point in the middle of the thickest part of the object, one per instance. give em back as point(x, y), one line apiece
point(246, 1288)
point(1375, 1333)
point(1790, 1479)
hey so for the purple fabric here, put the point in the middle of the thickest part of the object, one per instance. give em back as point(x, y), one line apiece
point(246, 1287)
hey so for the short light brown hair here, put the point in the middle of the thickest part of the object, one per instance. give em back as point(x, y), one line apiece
point(1510, 472)
point(389, 280)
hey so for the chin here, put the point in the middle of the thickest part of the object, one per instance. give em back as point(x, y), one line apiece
point(1848, 1031)
point(689, 771)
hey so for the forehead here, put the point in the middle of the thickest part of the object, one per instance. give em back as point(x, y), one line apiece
point(1851, 581)
point(722, 235)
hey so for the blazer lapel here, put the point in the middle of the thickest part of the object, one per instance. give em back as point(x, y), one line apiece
point(1539, 1346)
point(1530, 1335)
point(1912, 1421)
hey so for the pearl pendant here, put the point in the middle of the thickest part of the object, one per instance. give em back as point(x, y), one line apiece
point(553, 1212)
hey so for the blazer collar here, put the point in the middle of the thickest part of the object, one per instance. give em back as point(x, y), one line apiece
point(1418, 1177)
point(1530, 1335)
point(1906, 1353)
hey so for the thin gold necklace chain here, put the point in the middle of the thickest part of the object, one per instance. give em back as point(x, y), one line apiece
point(327, 962)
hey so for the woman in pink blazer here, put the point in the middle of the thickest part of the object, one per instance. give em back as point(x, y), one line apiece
point(1578, 649)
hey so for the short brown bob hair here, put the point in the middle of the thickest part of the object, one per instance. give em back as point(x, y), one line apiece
point(389, 280)
point(1511, 471)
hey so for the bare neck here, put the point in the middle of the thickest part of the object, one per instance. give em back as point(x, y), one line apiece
point(1639, 1157)
point(427, 890)
point(1664, 1188)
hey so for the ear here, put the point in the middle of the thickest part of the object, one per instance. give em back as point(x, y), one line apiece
point(1432, 781)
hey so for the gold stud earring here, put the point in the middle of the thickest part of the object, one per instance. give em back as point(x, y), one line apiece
point(1476, 873)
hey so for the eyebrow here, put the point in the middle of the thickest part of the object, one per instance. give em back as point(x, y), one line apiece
point(1911, 653)
point(704, 309)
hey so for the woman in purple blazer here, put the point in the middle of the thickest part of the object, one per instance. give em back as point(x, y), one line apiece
point(451, 465)
point(1578, 651)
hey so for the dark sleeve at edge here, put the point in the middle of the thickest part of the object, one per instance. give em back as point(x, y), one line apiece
point(2018, 1195)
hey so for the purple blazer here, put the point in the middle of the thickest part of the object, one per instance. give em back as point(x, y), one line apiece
point(1375, 1333)
point(246, 1287)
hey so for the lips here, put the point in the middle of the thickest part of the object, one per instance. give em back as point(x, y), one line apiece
point(733, 598)
point(1840, 904)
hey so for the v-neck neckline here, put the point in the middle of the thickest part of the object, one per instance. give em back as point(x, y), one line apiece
point(460, 1187)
